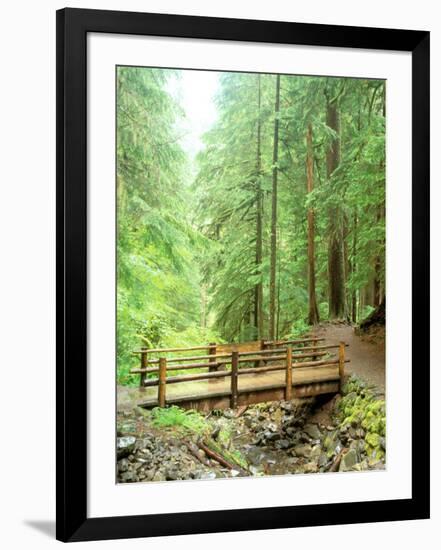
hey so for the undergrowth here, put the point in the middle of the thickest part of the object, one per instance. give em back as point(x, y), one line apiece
point(175, 417)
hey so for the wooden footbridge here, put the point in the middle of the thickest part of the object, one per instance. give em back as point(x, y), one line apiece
point(232, 375)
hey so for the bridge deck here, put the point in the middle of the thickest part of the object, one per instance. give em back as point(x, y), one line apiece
point(252, 388)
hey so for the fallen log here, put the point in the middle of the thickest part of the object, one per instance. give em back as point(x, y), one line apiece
point(193, 448)
point(229, 463)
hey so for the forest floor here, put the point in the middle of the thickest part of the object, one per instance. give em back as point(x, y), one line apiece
point(342, 433)
point(367, 354)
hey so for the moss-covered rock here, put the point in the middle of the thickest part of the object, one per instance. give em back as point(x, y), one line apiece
point(362, 411)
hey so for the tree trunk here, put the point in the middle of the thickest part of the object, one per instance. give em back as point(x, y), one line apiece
point(354, 268)
point(336, 267)
point(377, 317)
point(272, 308)
point(258, 289)
point(313, 315)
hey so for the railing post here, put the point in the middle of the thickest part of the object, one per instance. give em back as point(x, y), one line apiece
point(262, 363)
point(288, 378)
point(162, 381)
point(234, 368)
point(341, 363)
point(144, 361)
point(212, 350)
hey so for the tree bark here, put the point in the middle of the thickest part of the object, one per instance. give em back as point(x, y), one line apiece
point(258, 289)
point(313, 315)
point(272, 307)
point(354, 267)
point(336, 267)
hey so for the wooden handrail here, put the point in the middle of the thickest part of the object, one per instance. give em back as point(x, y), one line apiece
point(169, 350)
point(219, 363)
point(225, 373)
point(282, 342)
point(192, 358)
point(246, 353)
point(208, 346)
point(190, 378)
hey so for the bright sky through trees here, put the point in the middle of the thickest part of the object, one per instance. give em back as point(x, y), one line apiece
point(196, 91)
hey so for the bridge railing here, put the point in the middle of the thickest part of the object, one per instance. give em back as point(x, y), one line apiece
point(306, 353)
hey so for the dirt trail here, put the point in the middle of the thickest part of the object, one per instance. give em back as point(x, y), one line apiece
point(367, 359)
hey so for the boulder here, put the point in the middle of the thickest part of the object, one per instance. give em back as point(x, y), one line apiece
point(313, 431)
point(303, 451)
point(125, 446)
point(348, 461)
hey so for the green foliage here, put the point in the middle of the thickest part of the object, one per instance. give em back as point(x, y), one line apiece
point(187, 234)
point(175, 417)
point(298, 328)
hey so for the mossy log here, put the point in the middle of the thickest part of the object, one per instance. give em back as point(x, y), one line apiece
point(222, 455)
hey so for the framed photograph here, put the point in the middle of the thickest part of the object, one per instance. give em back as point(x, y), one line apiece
point(235, 199)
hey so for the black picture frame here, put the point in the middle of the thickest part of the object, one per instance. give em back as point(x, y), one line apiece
point(72, 28)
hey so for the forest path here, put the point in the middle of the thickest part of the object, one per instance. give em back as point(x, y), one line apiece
point(367, 358)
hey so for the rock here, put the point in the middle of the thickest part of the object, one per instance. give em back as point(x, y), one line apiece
point(146, 454)
point(348, 461)
point(373, 439)
point(149, 474)
point(158, 476)
point(323, 460)
point(255, 456)
point(129, 477)
point(125, 446)
point(303, 451)
point(376, 465)
point(201, 474)
point(313, 431)
point(316, 451)
point(171, 474)
point(310, 468)
point(271, 436)
point(229, 413)
point(234, 473)
point(123, 465)
point(332, 443)
point(270, 426)
point(359, 445)
point(283, 444)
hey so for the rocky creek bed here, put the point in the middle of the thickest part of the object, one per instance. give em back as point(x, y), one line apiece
point(344, 434)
